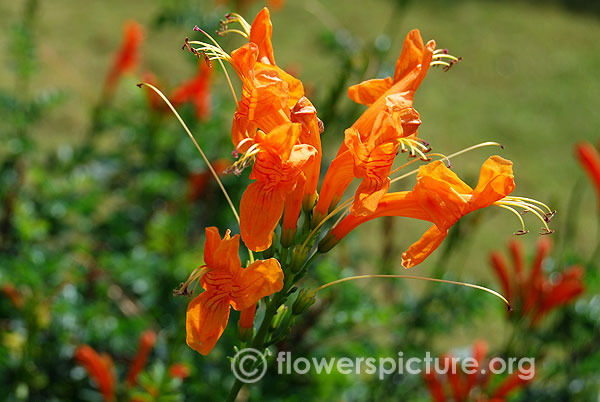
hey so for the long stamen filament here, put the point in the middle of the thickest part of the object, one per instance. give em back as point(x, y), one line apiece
point(439, 63)
point(469, 285)
point(444, 56)
point(528, 208)
point(226, 56)
point(518, 215)
point(237, 31)
point(194, 279)
point(550, 211)
point(235, 17)
point(210, 167)
point(329, 216)
point(471, 148)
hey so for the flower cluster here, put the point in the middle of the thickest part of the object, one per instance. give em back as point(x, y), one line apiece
point(277, 133)
point(475, 386)
point(533, 295)
point(101, 369)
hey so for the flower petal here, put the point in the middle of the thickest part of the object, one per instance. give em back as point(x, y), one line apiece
point(496, 181)
point(419, 251)
point(261, 278)
point(222, 254)
point(367, 92)
point(260, 33)
point(206, 319)
point(260, 210)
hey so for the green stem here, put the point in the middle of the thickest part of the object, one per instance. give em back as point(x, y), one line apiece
point(235, 389)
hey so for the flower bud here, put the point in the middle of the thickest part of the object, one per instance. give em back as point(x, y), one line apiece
point(298, 257)
point(305, 299)
point(279, 316)
point(287, 236)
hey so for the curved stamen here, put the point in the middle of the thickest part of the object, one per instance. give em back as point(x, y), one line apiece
point(193, 279)
point(235, 17)
point(422, 278)
point(518, 215)
point(210, 166)
point(447, 158)
point(527, 207)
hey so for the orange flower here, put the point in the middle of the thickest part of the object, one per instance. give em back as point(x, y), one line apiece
point(439, 197)
point(179, 370)
point(278, 170)
point(589, 158)
point(197, 91)
point(226, 285)
point(375, 137)
point(534, 296)
point(14, 294)
point(462, 387)
point(268, 92)
point(100, 368)
point(127, 58)
point(146, 343)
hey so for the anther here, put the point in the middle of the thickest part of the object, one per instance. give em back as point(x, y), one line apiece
point(521, 232)
point(548, 217)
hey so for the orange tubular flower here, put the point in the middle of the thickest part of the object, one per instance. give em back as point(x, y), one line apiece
point(278, 170)
point(378, 132)
point(589, 158)
point(147, 341)
point(534, 296)
point(268, 92)
point(439, 197)
point(127, 57)
point(98, 367)
point(462, 386)
point(226, 285)
point(197, 91)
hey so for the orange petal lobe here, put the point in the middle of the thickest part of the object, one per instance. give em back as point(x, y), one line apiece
point(419, 251)
point(260, 210)
point(206, 319)
point(367, 92)
point(261, 278)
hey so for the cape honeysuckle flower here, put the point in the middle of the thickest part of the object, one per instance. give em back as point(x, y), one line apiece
point(197, 91)
point(534, 295)
point(268, 92)
point(270, 96)
point(442, 198)
point(589, 158)
point(369, 153)
point(127, 58)
point(226, 285)
point(100, 368)
point(461, 387)
point(279, 173)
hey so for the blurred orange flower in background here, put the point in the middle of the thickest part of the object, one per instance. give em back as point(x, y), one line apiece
point(196, 91)
point(534, 295)
point(589, 158)
point(127, 57)
point(100, 368)
point(456, 386)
